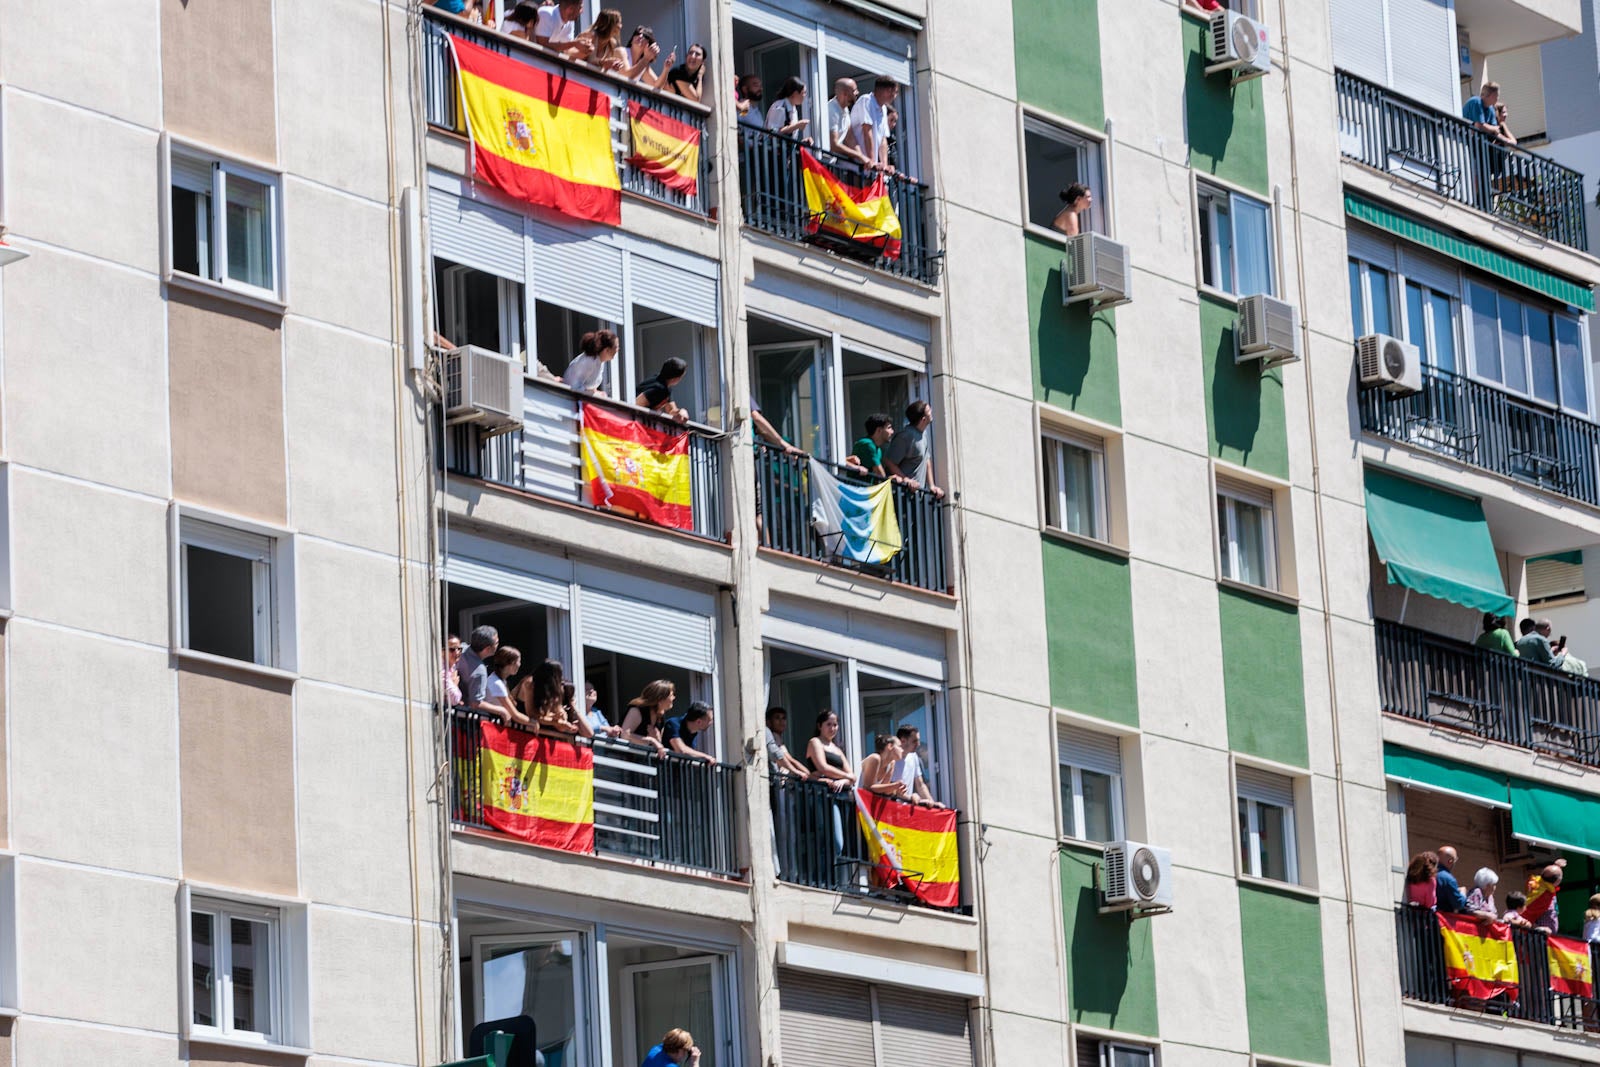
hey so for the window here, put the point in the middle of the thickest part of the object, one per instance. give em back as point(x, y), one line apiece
point(1528, 350)
point(1235, 242)
point(1075, 484)
point(1054, 158)
point(231, 593)
point(1095, 1051)
point(478, 308)
point(1266, 825)
point(1246, 534)
point(1371, 299)
point(235, 958)
point(1090, 766)
point(1431, 324)
point(224, 223)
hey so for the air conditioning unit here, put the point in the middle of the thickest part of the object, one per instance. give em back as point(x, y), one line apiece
point(1268, 330)
point(483, 388)
point(1389, 362)
point(1096, 269)
point(1237, 44)
point(1137, 877)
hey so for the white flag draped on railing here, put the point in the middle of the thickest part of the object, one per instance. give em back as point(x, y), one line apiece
point(856, 522)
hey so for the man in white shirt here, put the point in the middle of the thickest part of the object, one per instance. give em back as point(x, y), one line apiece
point(841, 140)
point(869, 122)
point(556, 28)
point(908, 770)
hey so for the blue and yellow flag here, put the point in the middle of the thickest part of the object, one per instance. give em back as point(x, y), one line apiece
point(855, 522)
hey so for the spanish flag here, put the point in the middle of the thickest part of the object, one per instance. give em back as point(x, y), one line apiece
point(912, 846)
point(665, 149)
point(1541, 894)
point(1571, 970)
point(1479, 958)
point(630, 467)
point(539, 136)
point(861, 216)
point(538, 788)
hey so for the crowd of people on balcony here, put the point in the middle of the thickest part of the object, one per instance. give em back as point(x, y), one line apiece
point(893, 769)
point(1431, 882)
point(862, 129)
point(901, 456)
point(1534, 643)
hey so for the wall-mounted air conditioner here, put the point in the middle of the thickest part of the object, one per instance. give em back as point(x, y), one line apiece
point(483, 388)
point(1237, 44)
point(1137, 877)
point(1389, 363)
point(1096, 269)
point(1268, 330)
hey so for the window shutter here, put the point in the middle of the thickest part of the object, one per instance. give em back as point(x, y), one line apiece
point(1520, 73)
point(1088, 750)
point(669, 288)
point(1366, 245)
point(1551, 578)
point(1422, 52)
point(861, 56)
point(918, 1028)
point(1434, 273)
point(506, 581)
point(580, 271)
point(476, 235)
point(190, 173)
point(1358, 38)
point(252, 546)
point(647, 629)
point(824, 1019)
point(1264, 786)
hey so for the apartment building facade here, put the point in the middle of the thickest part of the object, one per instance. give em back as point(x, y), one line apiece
point(1195, 580)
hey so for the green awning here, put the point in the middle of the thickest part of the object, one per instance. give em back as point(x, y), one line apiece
point(1574, 557)
point(1555, 817)
point(1439, 775)
point(1558, 288)
point(1435, 542)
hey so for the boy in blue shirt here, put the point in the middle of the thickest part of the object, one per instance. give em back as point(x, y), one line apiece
point(677, 1049)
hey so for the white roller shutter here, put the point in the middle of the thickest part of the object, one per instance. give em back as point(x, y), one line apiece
point(775, 21)
point(825, 1020)
point(226, 539)
point(1088, 750)
point(1550, 578)
point(190, 173)
point(1264, 786)
point(580, 271)
point(672, 289)
point(1435, 273)
point(1358, 38)
point(506, 581)
point(1422, 53)
point(1364, 244)
point(859, 55)
point(476, 235)
point(1520, 73)
point(918, 1028)
point(647, 629)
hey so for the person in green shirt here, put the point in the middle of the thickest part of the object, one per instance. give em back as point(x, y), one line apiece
point(868, 450)
point(1496, 634)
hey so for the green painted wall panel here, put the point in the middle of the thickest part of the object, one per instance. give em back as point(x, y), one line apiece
point(1244, 407)
point(1284, 989)
point(1263, 677)
point(1088, 603)
point(1074, 349)
point(1111, 973)
point(1058, 58)
point(1227, 125)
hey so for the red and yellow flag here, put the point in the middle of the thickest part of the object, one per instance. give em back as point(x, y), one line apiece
point(1479, 959)
point(1541, 894)
point(912, 846)
point(1571, 970)
point(665, 149)
point(861, 215)
point(538, 788)
point(630, 467)
point(539, 136)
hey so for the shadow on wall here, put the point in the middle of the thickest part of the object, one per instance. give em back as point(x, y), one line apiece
point(1100, 978)
point(1066, 343)
point(1236, 397)
point(1208, 112)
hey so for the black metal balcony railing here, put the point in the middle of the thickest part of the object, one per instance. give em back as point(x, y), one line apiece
point(1422, 975)
point(775, 202)
point(443, 101)
point(1486, 427)
point(818, 840)
point(784, 487)
point(546, 455)
point(673, 811)
point(1448, 155)
point(1489, 694)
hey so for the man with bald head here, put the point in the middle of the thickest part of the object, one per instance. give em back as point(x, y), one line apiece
point(1451, 898)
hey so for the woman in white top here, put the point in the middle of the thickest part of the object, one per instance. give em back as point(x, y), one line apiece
point(1591, 920)
point(595, 350)
point(505, 663)
point(783, 117)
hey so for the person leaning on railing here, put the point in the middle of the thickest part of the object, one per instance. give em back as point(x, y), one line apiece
point(656, 393)
point(783, 117)
point(907, 457)
point(506, 662)
point(467, 9)
point(877, 770)
point(841, 135)
point(557, 28)
point(680, 731)
point(641, 723)
point(687, 77)
point(869, 120)
point(1486, 113)
point(1496, 636)
point(642, 53)
point(779, 761)
point(1421, 888)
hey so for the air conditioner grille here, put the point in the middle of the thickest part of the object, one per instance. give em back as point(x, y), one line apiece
point(1116, 887)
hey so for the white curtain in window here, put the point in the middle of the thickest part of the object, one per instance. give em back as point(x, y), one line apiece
point(1252, 225)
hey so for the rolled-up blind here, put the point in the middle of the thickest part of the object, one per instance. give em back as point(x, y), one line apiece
point(476, 235)
point(917, 1028)
point(1264, 786)
point(826, 1020)
point(1088, 750)
point(660, 633)
point(580, 271)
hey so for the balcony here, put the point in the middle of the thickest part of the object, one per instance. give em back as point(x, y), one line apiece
point(1488, 694)
point(1446, 155)
point(442, 102)
point(545, 456)
point(775, 202)
point(1484, 427)
point(1422, 976)
point(784, 488)
point(666, 811)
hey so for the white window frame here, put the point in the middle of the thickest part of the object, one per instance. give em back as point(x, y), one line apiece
point(221, 166)
point(273, 585)
point(1250, 846)
point(1056, 425)
point(290, 947)
point(1092, 152)
point(1524, 354)
point(1110, 1039)
point(1207, 194)
point(1231, 493)
point(1074, 824)
point(1364, 268)
point(222, 913)
point(1054, 441)
point(1430, 350)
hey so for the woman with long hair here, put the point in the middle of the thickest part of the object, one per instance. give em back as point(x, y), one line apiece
point(642, 52)
point(1421, 887)
point(642, 723)
point(505, 663)
point(595, 349)
point(828, 761)
point(877, 770)
point(783, 117)
point(686, 78)
point(605, 41)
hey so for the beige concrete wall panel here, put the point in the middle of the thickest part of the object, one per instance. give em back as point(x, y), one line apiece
point(1025, 968)
point(236, 747)
point(1158, 353)
point(1005, 491)
point(342, 448)
point(1180, 682)
point(1366, 819)
point(655, 222)
point(49, 1043)
point(1202, 993)
point(986, 262)
point(105, 541)
point(339, 257)
point(1022, 1039)
point(348, 951)
point(353, 636)
point(985, 128)
point(1332, 365)
point(1309, 45)
point(966, 50)
point(1155, 219)
point(1198, 822)
point(229, 106)
point(1135, 37)
point(370, 869)
point(1324, 252)
point(107, 65)
point(5, 761)
point(1016, 745)
point(923, 953)
point(1336, 966)
point(1318, 700)
point(202, 1056)
point(109, 798)
point(333, 126)
point(62, 365)
point(225, 381)
point(1359, 718)
point(1316, 131)
point(788, 577)
point(73, 922)
point(814, 915)
point(1344, 527)
point(1169, 506)
point(70, 206)
point(1381, 1012)
point(1005, 611)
